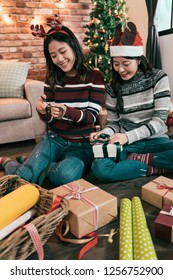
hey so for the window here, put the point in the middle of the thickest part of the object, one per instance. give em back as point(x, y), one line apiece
point(164, 15)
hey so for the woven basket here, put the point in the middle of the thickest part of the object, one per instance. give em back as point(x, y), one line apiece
point(18, 245)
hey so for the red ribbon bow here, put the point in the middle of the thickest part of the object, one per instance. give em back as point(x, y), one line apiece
point(164, 186)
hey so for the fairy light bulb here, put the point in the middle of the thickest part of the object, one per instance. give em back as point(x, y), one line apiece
point(7, 19)
point(35, 20)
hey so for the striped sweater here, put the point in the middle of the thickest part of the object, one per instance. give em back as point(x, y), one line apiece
point(146, 104)
point(83, 102)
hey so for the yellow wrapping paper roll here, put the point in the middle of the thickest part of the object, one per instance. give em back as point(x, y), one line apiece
point(142, 241)
point(16, 203)
point(125, 237)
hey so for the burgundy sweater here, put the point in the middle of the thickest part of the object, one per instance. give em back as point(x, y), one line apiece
point(83, 102)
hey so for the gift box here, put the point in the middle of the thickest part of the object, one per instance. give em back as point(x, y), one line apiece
point(90, 206)
point(106, 150)
point(158, 192)
point(163, 224)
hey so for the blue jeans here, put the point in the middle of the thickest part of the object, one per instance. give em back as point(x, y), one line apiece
point(60, 160)
point(107, 170)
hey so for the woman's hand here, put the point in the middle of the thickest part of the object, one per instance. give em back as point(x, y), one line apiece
point(41, 105)
point(94, 136)
point(57, 110)
point(118, 137)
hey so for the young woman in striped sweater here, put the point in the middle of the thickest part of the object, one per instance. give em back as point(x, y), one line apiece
point(73, 96)
point(138, 101)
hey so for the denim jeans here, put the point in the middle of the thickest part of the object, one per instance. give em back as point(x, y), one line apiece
point(60, 160)
point(107, 170)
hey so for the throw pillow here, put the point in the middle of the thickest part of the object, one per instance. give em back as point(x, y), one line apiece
point(12, 78)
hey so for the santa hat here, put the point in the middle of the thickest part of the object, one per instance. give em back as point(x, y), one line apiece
point(127, 43)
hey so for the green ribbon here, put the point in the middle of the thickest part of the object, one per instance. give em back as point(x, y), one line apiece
point(105, 151)
point(104, 148)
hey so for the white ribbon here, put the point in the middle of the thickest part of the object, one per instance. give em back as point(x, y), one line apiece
point(77, 192)
point(170, 213)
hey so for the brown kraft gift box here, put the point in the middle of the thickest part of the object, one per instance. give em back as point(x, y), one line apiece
point(163, 224)
point(90, 207)
point(158, 192)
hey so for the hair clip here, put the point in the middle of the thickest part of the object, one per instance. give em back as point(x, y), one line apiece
point(55, 24)
point(38, 31)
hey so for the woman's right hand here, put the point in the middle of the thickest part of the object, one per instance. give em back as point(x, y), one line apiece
point(94, 136)
point(40, 105)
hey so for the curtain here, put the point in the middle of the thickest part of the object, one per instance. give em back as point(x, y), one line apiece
point(152, 46)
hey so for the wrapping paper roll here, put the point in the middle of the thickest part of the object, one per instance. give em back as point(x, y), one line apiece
point(142, 241)
point(17, 223)
point(125, 237)
point(17, 203)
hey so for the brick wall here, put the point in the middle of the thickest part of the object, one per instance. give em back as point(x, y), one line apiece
point(16, 41)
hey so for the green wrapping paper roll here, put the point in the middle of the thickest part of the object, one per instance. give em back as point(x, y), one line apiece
point(125, 234)
point(142, 242)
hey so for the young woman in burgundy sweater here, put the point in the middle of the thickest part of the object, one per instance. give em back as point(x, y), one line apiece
point(73, 96)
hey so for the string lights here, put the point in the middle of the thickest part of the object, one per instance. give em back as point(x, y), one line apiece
point(37, 19)
point(7, 19)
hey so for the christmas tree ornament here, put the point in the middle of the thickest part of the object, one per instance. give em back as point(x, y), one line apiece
point(109, 41)
point(116, 17)
point(100, 59)
point(106, 48)
point(102, 30)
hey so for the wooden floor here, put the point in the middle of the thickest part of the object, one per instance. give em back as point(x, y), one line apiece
point(55, 249)
point(12, 150)
point(18, 148)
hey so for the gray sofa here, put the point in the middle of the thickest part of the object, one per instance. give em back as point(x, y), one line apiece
point(19, 120)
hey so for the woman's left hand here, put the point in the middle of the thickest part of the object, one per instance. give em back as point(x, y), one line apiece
point(118, 137)
point(58, 110)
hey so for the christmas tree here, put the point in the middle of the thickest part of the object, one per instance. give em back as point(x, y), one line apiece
point(105, 16)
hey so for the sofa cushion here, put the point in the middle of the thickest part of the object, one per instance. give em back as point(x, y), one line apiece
point(14, 108)
point(12, 78)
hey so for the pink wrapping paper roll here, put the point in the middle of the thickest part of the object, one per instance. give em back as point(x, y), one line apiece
point(16, 203)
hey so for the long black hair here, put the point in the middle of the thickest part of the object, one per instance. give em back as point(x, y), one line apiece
point(117, 81)
point(54, 74)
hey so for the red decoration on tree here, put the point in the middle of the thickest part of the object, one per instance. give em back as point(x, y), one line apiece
point(102, 30)
point(109, 41)
point(116, 17)
point(87, 51)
